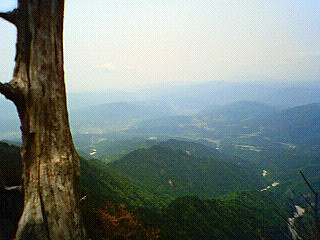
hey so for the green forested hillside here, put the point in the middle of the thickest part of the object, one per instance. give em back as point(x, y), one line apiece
point(10, 165)
point(299, 125)
point(177, 172)
point(100, 183)
point(195, 149)
point(109, 148)
point(119, 205)
point(244, 215)
point(11, 201)
point(236, 112)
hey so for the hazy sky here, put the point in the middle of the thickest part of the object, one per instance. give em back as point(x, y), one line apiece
point(128, 43)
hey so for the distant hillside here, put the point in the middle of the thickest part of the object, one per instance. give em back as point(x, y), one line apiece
point(194, 97)
point(177, 172)
point(164, 126)
point(106, 117)
point(194, 149)
point(199, 96)
point(238, 111)
point(298, 125)
point(10, 165)
point(250, 125)
point(100, 183)
point(107, 148)
point(213, 122)
point(244, 215)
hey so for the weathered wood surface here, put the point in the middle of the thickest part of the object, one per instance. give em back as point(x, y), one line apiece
point(50, 163)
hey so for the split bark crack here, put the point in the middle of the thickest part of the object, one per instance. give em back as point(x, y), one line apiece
point(48, 154)
point(42, 206)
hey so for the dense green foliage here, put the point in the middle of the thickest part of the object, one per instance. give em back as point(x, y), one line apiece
point(245, 215)
point(178, 173)
point(152, 214)
point(10, 165)
point(194, 149)
point(100, 183)
point(11, 202)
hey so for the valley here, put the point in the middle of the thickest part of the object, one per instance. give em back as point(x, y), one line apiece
point(254, 146)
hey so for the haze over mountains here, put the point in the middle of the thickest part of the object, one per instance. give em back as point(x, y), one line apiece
point(120, 109)
point(200, 95)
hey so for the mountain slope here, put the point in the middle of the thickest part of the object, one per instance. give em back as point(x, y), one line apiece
point(192, 148)
point(237, 111)
point(119, 114)
point(10, 165)
point(244, 215)
point(298, 125)
point(199, 96)
point(229, 217)
point(177, 173)
point(99, 183)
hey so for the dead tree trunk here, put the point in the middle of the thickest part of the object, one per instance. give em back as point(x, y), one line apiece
point(50, 162)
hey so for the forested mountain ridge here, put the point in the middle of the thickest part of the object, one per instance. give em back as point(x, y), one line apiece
point(238, 120)
point(117, 207)
point(244, 121)
point(299, 125)
point(177, 172)
point(195, 149)
point(238, 111)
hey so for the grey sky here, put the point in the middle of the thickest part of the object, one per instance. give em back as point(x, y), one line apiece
point(129, 43)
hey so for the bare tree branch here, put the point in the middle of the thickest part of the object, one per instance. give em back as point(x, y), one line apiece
point(280, 215)
point(10, 16)
point(308, 184)
point(14, 188)
point(315, 208)
point(8, 91)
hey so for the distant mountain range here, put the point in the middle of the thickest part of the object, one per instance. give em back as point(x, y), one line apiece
point(106, 117)
point(101, 112)
point(245, 120)
point(241, 120)
point(299, 125)
point(195, 97)
point(237, 111)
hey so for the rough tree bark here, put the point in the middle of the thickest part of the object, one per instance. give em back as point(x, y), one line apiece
point(50, 162)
